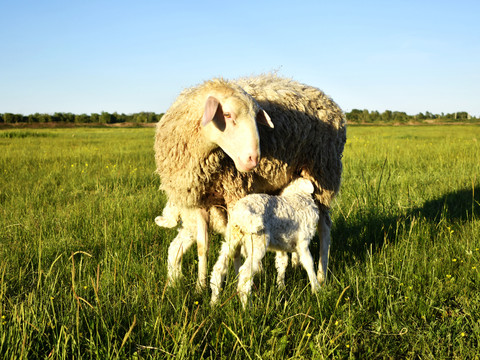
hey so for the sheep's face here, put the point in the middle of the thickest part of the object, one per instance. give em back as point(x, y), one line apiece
point(231, 123)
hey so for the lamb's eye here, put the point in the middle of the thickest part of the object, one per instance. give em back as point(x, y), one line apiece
point(227, 115)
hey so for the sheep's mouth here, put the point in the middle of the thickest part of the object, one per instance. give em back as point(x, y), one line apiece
point(245, 167)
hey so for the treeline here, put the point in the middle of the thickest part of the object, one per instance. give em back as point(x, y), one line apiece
point(355, 116)
point(102, 118)
point(398, 117)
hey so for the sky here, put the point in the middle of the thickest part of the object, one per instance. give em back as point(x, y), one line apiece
point(131, 56)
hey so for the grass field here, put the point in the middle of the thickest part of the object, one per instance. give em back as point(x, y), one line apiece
point(83, 266)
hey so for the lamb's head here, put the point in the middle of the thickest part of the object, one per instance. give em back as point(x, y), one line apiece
point(230, 121)
point(299, 185)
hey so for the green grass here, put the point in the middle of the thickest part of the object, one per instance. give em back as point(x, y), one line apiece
point(83, 266)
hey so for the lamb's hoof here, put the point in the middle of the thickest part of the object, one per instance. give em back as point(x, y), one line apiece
point(173, 277)
point(321, 278)
point(214, 301)
point(200, 287)
point(316, 288)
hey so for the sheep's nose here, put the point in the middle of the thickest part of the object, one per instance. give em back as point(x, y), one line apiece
point(253, 160)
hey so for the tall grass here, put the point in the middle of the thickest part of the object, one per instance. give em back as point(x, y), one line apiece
point(83, 267)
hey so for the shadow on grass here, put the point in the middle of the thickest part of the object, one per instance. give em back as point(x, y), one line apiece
point(371, 227)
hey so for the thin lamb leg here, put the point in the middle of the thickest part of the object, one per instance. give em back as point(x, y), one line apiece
point(247, 271)
point(220, 269)
point(182, 242)
point(281, 262)
point(306, 260)
point(202, 247)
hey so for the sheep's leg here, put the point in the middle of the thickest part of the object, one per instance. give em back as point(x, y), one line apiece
point(202, 247)
point(220, 269)
point(250, 267)
point(306, 259)
point(182, 242)
point(324, 225)
point(281, 262)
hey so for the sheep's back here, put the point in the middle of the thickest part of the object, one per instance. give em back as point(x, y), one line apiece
point(309, 136)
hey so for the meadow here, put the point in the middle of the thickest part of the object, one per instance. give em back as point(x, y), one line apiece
point(83, 265)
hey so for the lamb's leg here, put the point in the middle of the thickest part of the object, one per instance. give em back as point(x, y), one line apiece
point(281, 262)
point(202, 247)
point(220, 269)
point(324, 225)
point(294, 259)
point(237, 259)
point(177, 248)
point(306, 259)
point(250, 267)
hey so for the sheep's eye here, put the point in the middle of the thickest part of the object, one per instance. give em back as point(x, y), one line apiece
point(227, 115)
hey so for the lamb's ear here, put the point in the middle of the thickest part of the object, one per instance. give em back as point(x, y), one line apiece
point(264, 119)
point(211, 106)
point(307, 186)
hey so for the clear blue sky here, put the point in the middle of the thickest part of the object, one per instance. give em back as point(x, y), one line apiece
point(129, 56)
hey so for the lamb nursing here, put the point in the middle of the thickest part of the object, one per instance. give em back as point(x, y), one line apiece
point(260, 222)
point(223, 140)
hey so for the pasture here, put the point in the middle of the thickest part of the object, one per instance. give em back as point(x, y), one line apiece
point(83, 265)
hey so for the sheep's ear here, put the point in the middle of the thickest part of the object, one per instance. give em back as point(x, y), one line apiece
point(264, 119)
point(211, 107)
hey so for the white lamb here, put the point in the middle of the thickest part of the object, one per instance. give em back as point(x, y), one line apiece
point(261, 222)
point(187, 232)
point(173, 216)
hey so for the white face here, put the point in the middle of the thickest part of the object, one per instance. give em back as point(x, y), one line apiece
point(232, 125)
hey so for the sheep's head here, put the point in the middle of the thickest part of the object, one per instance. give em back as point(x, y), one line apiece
point(230, 121)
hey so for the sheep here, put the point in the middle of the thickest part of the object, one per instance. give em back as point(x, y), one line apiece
point(261, 222)
point(217, 220)
point(209, 150)
point(171, 216)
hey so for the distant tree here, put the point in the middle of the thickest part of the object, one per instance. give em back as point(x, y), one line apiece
point(64, 117)
point(94, 118)
point(140, 117)
point(82, 118)
point(354, 115)
point(387, 116)
point(120, 118)
point(420, 117)
point(400, 117)
point(8, 118)
point(105, 118)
